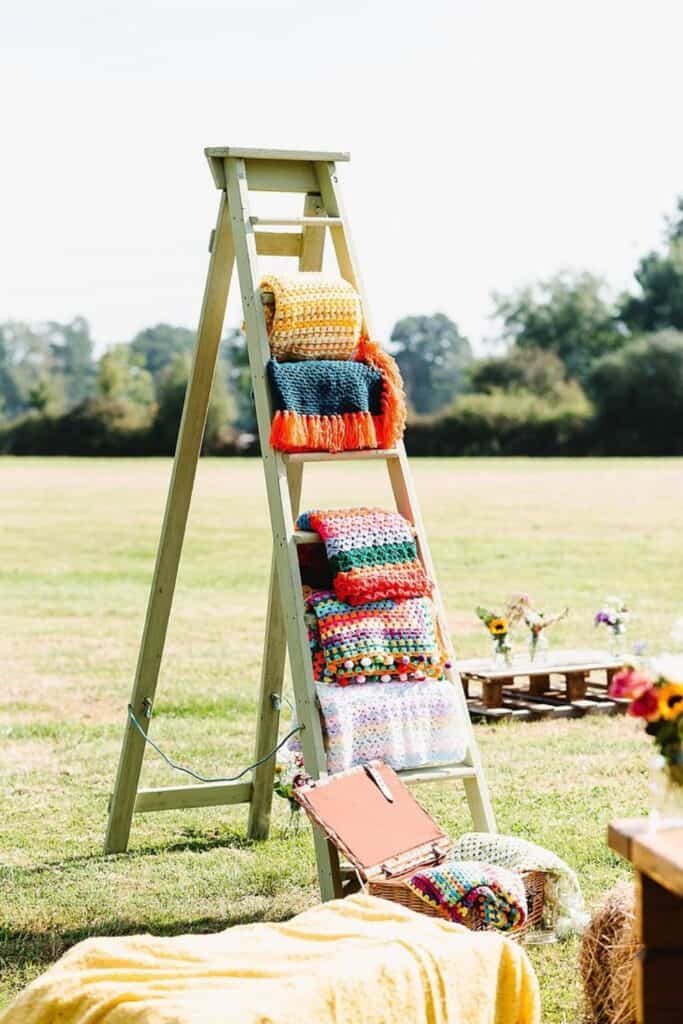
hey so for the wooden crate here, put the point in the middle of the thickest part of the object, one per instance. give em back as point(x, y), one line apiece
point(569, 685)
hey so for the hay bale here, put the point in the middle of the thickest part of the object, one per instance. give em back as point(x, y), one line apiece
point(607, 956)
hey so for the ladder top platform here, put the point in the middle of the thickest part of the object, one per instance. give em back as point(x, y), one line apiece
point(273, 170)
point(275, 154)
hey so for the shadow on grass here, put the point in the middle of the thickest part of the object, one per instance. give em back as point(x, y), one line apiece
point(40, 948)
point(193, 840)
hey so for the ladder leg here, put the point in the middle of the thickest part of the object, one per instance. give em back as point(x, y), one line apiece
point(272, 674)
point(173, 529)
point(275, 646)
point(476, 788)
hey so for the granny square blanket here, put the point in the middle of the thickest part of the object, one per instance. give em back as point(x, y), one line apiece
point(470, 890)
point(381, 641)
point(371, 553)
point(405, 726)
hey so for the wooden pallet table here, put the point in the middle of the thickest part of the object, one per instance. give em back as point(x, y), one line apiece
point(568, 685)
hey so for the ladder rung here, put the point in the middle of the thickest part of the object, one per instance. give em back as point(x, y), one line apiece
point(306, 537)
point(206, 794)
point(414, 776)
point(364, 453)
point(311, 537)
point(293, 222)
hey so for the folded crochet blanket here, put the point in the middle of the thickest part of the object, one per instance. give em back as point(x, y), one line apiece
point(336, 405)
point(405, 726)
point(469, 891)
point(312, 316)
point(382, 641)
point(564, 899)
point(371, 553)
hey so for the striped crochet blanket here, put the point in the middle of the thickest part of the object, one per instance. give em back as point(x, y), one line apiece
point(381, 641)
point(334, 405)
point(470, 891)
point(371, 554)
point(332, 389)
point(312, 316)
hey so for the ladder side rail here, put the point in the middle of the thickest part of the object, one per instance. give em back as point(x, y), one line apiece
point(187, 453)
point(284, 547)
point(275, 642)
point(341, 238)
point(476, 787)
point(407, 504)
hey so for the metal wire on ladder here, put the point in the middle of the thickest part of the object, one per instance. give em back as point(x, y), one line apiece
point(196, 775)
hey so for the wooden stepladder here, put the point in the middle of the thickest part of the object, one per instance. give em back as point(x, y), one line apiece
point(241, 238)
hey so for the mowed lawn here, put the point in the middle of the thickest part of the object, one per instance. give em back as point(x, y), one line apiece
point(77, 546)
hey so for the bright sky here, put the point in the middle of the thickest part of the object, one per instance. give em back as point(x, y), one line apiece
point(492, 143)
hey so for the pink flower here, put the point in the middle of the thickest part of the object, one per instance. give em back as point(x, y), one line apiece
point(630, 683)
point(646, 705)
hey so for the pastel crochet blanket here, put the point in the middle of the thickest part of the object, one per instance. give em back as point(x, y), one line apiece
point(564, 900)
point(405, 726)
point(388, 964)
point(337, 405)
point(473, 892)
point(381, 641)
point(371, 553)
point(312, 316)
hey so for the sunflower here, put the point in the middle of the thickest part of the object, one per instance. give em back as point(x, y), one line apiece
point(498, 626)
point(670, 700)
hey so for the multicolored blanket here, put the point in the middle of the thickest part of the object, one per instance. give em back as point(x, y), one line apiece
point(337, 405)
point(371, 554)
point(467, 891)
point(382, 641)
point(405, 726)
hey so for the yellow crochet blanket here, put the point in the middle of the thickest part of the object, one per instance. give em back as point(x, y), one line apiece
point(313, 317)
point(354, 961)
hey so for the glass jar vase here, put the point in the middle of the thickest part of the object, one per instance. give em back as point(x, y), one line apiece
point(538, 648)
point(666, 793)
point(502, 652)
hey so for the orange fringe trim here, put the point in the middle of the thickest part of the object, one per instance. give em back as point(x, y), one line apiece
point(293, 432)
point(393, 395)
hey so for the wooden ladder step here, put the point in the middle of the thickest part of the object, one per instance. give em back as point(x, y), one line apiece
point(363, 454)
point(296, 222)
point(436, 773)
point(306, 537)
point(311, 537)
point(205, 794)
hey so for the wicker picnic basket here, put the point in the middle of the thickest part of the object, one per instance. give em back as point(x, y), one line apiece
point(397, 890)
point(387, 842)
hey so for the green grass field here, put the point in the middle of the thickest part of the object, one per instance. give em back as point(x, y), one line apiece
point(76, 552)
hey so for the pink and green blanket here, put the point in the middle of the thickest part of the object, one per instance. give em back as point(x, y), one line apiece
point(371, 554)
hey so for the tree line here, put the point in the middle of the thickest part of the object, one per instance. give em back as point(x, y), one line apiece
point(576, 373)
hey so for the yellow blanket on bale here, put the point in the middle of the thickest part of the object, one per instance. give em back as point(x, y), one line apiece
point(354, 961)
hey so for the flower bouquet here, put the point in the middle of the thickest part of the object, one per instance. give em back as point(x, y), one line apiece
point(520, 609)
point(499, 629)
point(658, 701)
point(614, 614)
point(289, 775)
